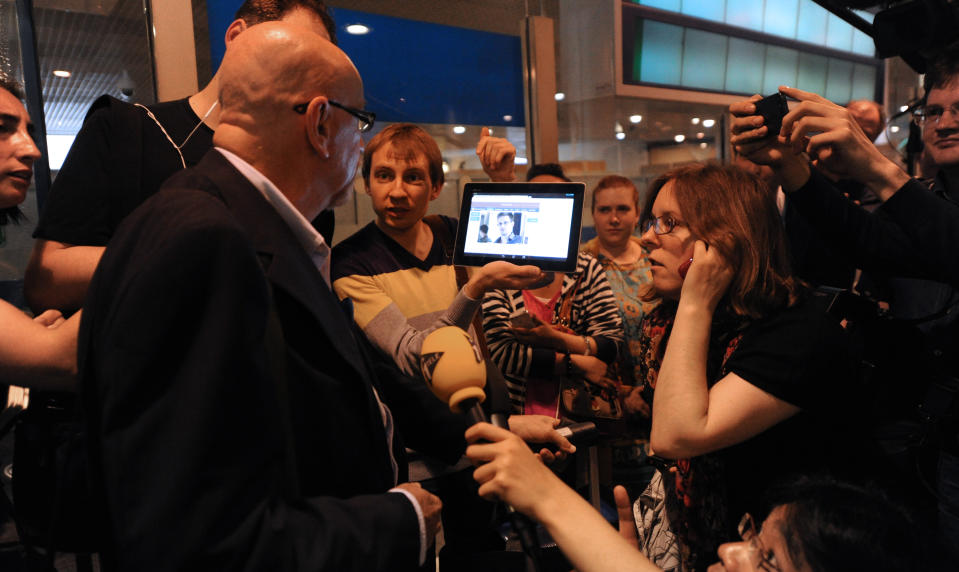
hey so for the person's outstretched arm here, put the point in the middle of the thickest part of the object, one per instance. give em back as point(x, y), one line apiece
point(512, 473)
point(40, 352)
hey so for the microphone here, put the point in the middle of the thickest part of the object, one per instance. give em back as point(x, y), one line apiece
point(454, 371)
point(456, 374)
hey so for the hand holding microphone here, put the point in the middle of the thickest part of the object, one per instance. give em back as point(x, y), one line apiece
point(456, 374)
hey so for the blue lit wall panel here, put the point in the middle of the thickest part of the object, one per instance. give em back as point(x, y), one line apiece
point(745, 14)
point(744, 66)
point(713, 10)
point(862, 44)
point(838, 34)
point(863, 82)
point(801, 20)
point(780, 18)
point(839, 81)
point(812, 73)
point(811, 24)
point(704, 60)
point(661, 59)
point(421, 72)
point(781, 68)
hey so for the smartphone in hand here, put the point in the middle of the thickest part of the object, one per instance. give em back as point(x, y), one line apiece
point(684, 268)
point(773, 108)
point(524, 320)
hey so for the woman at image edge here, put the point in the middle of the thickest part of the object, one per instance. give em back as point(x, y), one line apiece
point(41, 352)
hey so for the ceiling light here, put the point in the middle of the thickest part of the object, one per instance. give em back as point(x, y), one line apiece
point(695, 121)
point(709, 122)
point(679, 138)
point(703, 145)
point(620, 135)
point(459, 129)
point(507, 118)
point(560, 96)
point(700, 135)
point(904, 108)
point(635, 118)
point(357, 29)
point(62, 73)
point(894, 129)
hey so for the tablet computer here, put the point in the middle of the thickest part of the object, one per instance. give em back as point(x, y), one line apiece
point(522, 223)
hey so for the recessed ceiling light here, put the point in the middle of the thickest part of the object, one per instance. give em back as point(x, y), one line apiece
point(635, 118)
point(62, 73)
point(507, 118)
point(679, 138)
point(709, 122)
point(703, 145)
point(700, 135)
point(695, 121)
point(620, 135)
point(903, 108)
point(459, 129)
point(357, 29)
point(560, 96)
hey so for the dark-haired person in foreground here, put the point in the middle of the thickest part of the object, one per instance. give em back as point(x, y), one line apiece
point(37, 352)
point(122, 155)
point(814, 525)
point(234, 420)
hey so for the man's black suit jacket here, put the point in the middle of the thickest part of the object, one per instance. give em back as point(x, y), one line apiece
point(203, 460)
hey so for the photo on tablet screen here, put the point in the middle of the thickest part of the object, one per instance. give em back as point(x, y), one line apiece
point(523, 223)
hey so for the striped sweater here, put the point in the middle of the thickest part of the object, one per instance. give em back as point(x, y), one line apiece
point(399, 299)
point(594, 313)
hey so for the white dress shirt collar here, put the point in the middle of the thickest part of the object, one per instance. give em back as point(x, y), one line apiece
point(312, 241)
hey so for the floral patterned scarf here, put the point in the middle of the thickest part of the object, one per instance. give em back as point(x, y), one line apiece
point(695, 488)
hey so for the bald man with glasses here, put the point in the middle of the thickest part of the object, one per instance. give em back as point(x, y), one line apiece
point(232, 417)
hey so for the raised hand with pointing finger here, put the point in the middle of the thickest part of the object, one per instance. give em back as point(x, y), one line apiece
point(497, 155)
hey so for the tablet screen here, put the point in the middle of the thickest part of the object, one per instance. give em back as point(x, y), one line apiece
point(523, 223)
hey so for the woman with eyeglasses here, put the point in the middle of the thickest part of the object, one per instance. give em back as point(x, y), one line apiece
point(749, 377)
point(815, 525)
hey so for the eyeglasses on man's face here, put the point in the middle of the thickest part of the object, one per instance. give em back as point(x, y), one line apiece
point(933, 113)
point(766, 558)
point(661, 224)
point(365, 119)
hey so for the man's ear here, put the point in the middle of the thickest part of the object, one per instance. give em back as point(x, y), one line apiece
point(435, 192)
point(236, 27)
point(317, 120)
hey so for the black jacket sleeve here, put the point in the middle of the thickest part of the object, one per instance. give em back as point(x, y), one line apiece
point(871, 240)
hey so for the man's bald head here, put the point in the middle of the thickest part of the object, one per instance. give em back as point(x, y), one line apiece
point(275, 66)
point(283, 94)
